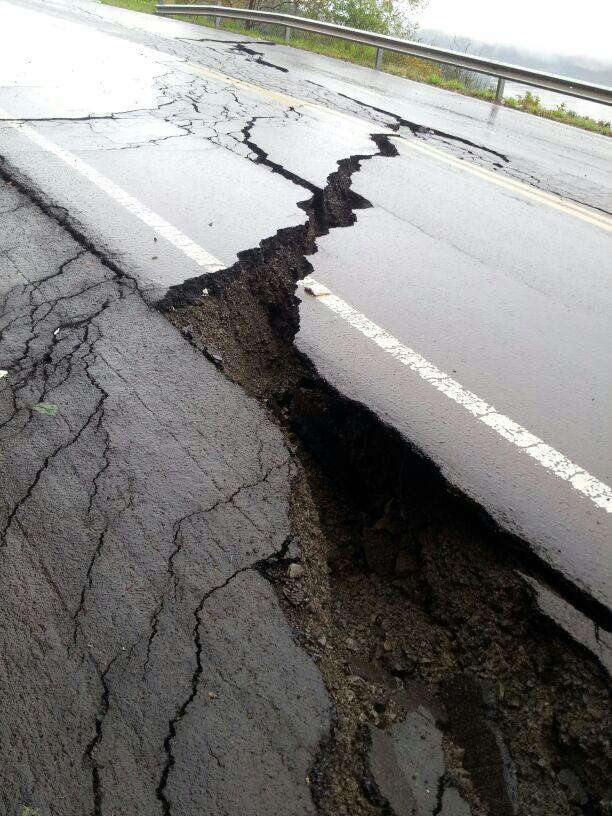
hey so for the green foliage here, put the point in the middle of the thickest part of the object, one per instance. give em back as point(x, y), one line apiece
point(45, 409)
point(530, 103)
point(381, 16)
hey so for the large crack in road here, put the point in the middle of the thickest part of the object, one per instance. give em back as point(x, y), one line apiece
point(395, 588)
point(398, 585)
point(239, 59)
point(195, 516)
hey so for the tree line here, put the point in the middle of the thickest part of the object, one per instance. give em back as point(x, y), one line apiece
point(381, 16)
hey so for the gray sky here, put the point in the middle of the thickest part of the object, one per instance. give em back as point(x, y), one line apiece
point(551, 26)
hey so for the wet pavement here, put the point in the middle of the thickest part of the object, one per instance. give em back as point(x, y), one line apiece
point(138, 504)
point(143, 493)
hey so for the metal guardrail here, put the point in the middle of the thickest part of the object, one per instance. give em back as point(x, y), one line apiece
point(502, 71)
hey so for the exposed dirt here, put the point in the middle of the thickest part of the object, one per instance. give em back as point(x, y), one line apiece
point(390, 578)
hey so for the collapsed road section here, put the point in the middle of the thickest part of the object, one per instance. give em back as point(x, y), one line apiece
point(453, 692)
point(156, 521)
point(137, 569)
point(227, 588)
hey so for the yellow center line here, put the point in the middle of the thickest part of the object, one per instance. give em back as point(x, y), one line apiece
point(286, 99)
point(543, 197)
point(291, 101)
point(598, 219)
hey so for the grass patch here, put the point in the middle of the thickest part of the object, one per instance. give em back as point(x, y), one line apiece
point(531, 103)
point(134, 5)
point(419, 70)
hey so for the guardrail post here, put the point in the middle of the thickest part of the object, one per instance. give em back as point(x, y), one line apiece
point(287, 34)
point(499, 95)
point(379, 58)
point(217, 22)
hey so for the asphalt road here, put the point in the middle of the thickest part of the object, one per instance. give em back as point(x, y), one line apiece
point(137, 504)
point(493, 280)
point(479, 277)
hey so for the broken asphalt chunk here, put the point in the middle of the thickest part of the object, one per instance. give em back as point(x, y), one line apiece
point(406, 763)
point(453, 804)
point(471, 709)
point(295, 571)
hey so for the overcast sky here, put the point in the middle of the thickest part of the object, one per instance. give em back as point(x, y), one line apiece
point(553, 26)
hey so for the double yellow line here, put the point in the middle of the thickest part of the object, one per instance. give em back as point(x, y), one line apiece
point(598, 219)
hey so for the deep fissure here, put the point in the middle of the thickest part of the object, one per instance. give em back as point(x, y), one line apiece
point(245, 319)
point(314, 415)
point(272, 271)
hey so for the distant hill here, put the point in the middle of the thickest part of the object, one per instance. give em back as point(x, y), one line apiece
point(579, 67)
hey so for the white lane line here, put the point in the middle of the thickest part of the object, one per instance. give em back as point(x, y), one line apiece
point(554, 461)
point(162, 227)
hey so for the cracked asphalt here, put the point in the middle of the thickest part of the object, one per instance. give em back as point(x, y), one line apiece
point(148, 667)
point(134, 523)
